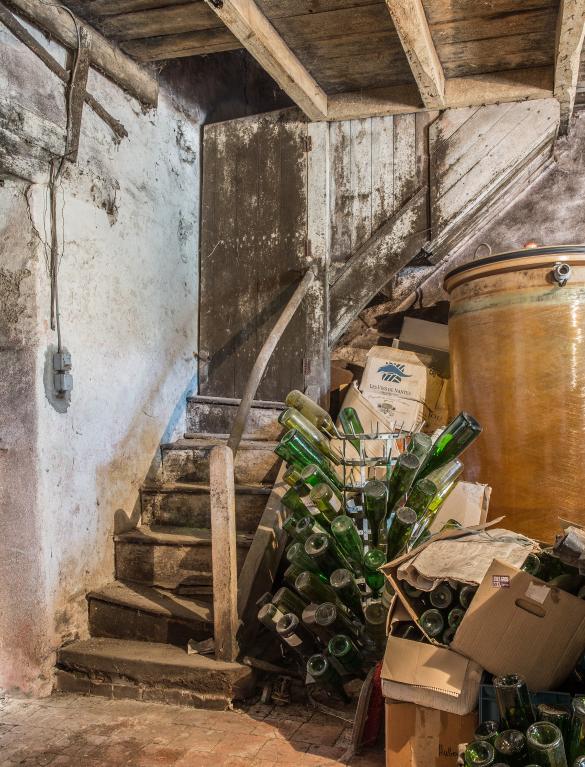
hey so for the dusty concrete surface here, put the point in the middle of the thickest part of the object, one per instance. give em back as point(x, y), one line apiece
point(77, 731)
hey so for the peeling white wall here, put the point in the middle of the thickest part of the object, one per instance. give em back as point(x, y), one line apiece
point(128, 288)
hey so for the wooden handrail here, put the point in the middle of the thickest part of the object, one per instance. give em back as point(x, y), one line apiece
point(264, 358)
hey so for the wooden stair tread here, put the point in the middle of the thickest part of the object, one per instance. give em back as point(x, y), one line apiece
point(156, 601)
point(174, 536)
point(198, 488)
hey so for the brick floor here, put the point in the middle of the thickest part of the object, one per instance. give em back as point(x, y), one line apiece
point(80, 731)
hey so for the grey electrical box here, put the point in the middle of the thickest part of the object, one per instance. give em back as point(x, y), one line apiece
point(62, 378)
point(61, 361)
point(63, 383)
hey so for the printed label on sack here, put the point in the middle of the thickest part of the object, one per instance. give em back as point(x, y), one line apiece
point(500, 581)
point(538, 592)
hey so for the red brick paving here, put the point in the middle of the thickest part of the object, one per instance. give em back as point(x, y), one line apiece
point(80, 731)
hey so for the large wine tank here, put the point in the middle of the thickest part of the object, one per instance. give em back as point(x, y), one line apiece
point(517, 341)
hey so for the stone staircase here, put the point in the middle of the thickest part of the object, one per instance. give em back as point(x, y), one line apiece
point(162, 596)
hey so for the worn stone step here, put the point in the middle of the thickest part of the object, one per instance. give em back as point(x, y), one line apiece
point(187, 460)
point(215, 415)
point(150, 671)
point(169, 557)
point(188, 504)
point(147, 614)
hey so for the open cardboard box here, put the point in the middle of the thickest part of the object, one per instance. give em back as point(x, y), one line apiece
point(516, 623)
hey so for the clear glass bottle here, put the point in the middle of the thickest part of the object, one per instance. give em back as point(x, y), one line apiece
point(514, 703)
point(319, 547)
point(480, 753)
point(288, 602)
point(297, 636)
point(488, 730)
point(545, 745)
point(326, 501)
point(401, 478)
point(432, 623)
point(420, 445)
point(375, 502)
point(320, 668)
point(351, 424)
point(577, 736)
point(291, 418)
point(510, 748)
point(294, 448)
point(344, 585)
point(347, 536)
point(442, 596)
point(373, 560)
point(401, 523)
point(345, 651)
point(312, 411)
point(451, 442)
point(375, 616)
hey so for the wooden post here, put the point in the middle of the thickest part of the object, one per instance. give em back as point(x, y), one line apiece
point(223, 552)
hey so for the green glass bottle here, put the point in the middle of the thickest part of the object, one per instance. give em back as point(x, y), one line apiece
point(344, 585)
point(401, 523)
point(446, 474)
point(375, 617)
point(373, 560)
point(466, 595)
point(288, 602)
point(420, 445)
point(480, 753)
point(320, 668)
point(326, 501)
point(510, 748)
point(421, 495)
point(451, 442)
point(312, 476)
point(346, 534)
point(297, 636)
point(405, 469)
point(455, 616)
point(351, 424)
point(531, 564)
point(306, 527)
point(313, 589)
point(375, 503)
point(289, 526)
point(488, 730)
point(320, 548)
point(312, 411)
point(442, 596)
point(432, 623)
point(345, 651)
point(291, 418)
point(294, 448)
point(448, 635)
point(296, 555)
point(291, 573)
point(557, 715)
point(545, 745)
point(328, 615)
point(514, 703)
point(292, 476)
point(577, 736)
point(294, 503)
point(269, 614)
point(322, 633)
point(579, 762)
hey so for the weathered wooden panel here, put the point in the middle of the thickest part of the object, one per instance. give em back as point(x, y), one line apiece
point(254, 250)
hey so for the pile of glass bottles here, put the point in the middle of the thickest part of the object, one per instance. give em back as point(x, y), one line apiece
point(528, 735)
point(332, 612)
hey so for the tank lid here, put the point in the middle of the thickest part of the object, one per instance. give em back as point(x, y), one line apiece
point(527, 258)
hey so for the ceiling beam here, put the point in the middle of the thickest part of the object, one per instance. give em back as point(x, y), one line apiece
point(245, 20)
point(187, 44)
point(476, 90)
point(414, 33)
point(570, 32)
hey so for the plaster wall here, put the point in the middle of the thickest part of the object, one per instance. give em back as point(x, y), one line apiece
point(128, 288)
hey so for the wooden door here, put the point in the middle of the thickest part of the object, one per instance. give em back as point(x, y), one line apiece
point(254, 251)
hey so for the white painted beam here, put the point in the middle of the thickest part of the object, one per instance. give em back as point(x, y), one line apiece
point(245, 20)
point(414, 33)
point(570, 33)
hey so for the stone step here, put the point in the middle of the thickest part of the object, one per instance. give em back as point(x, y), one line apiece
point(187, 460)
point(147, 614)
point(215, 415)
point(188, 504)
point(120, 668)
point(169, 557)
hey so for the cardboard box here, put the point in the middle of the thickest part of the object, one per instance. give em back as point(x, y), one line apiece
point(401, 385)
point(424, 737)
point(517, 623)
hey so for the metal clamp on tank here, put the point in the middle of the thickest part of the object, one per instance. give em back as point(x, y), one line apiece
point(562, 273)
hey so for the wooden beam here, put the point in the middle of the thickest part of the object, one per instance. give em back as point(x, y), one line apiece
point(105, 57)
point(187, 44)
point(390, 248)
point(476, 90)
point(76, 95)
point(414, 33)
point(570, 33)
point(22, 34)
point(223, 552)
point(256, 33)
